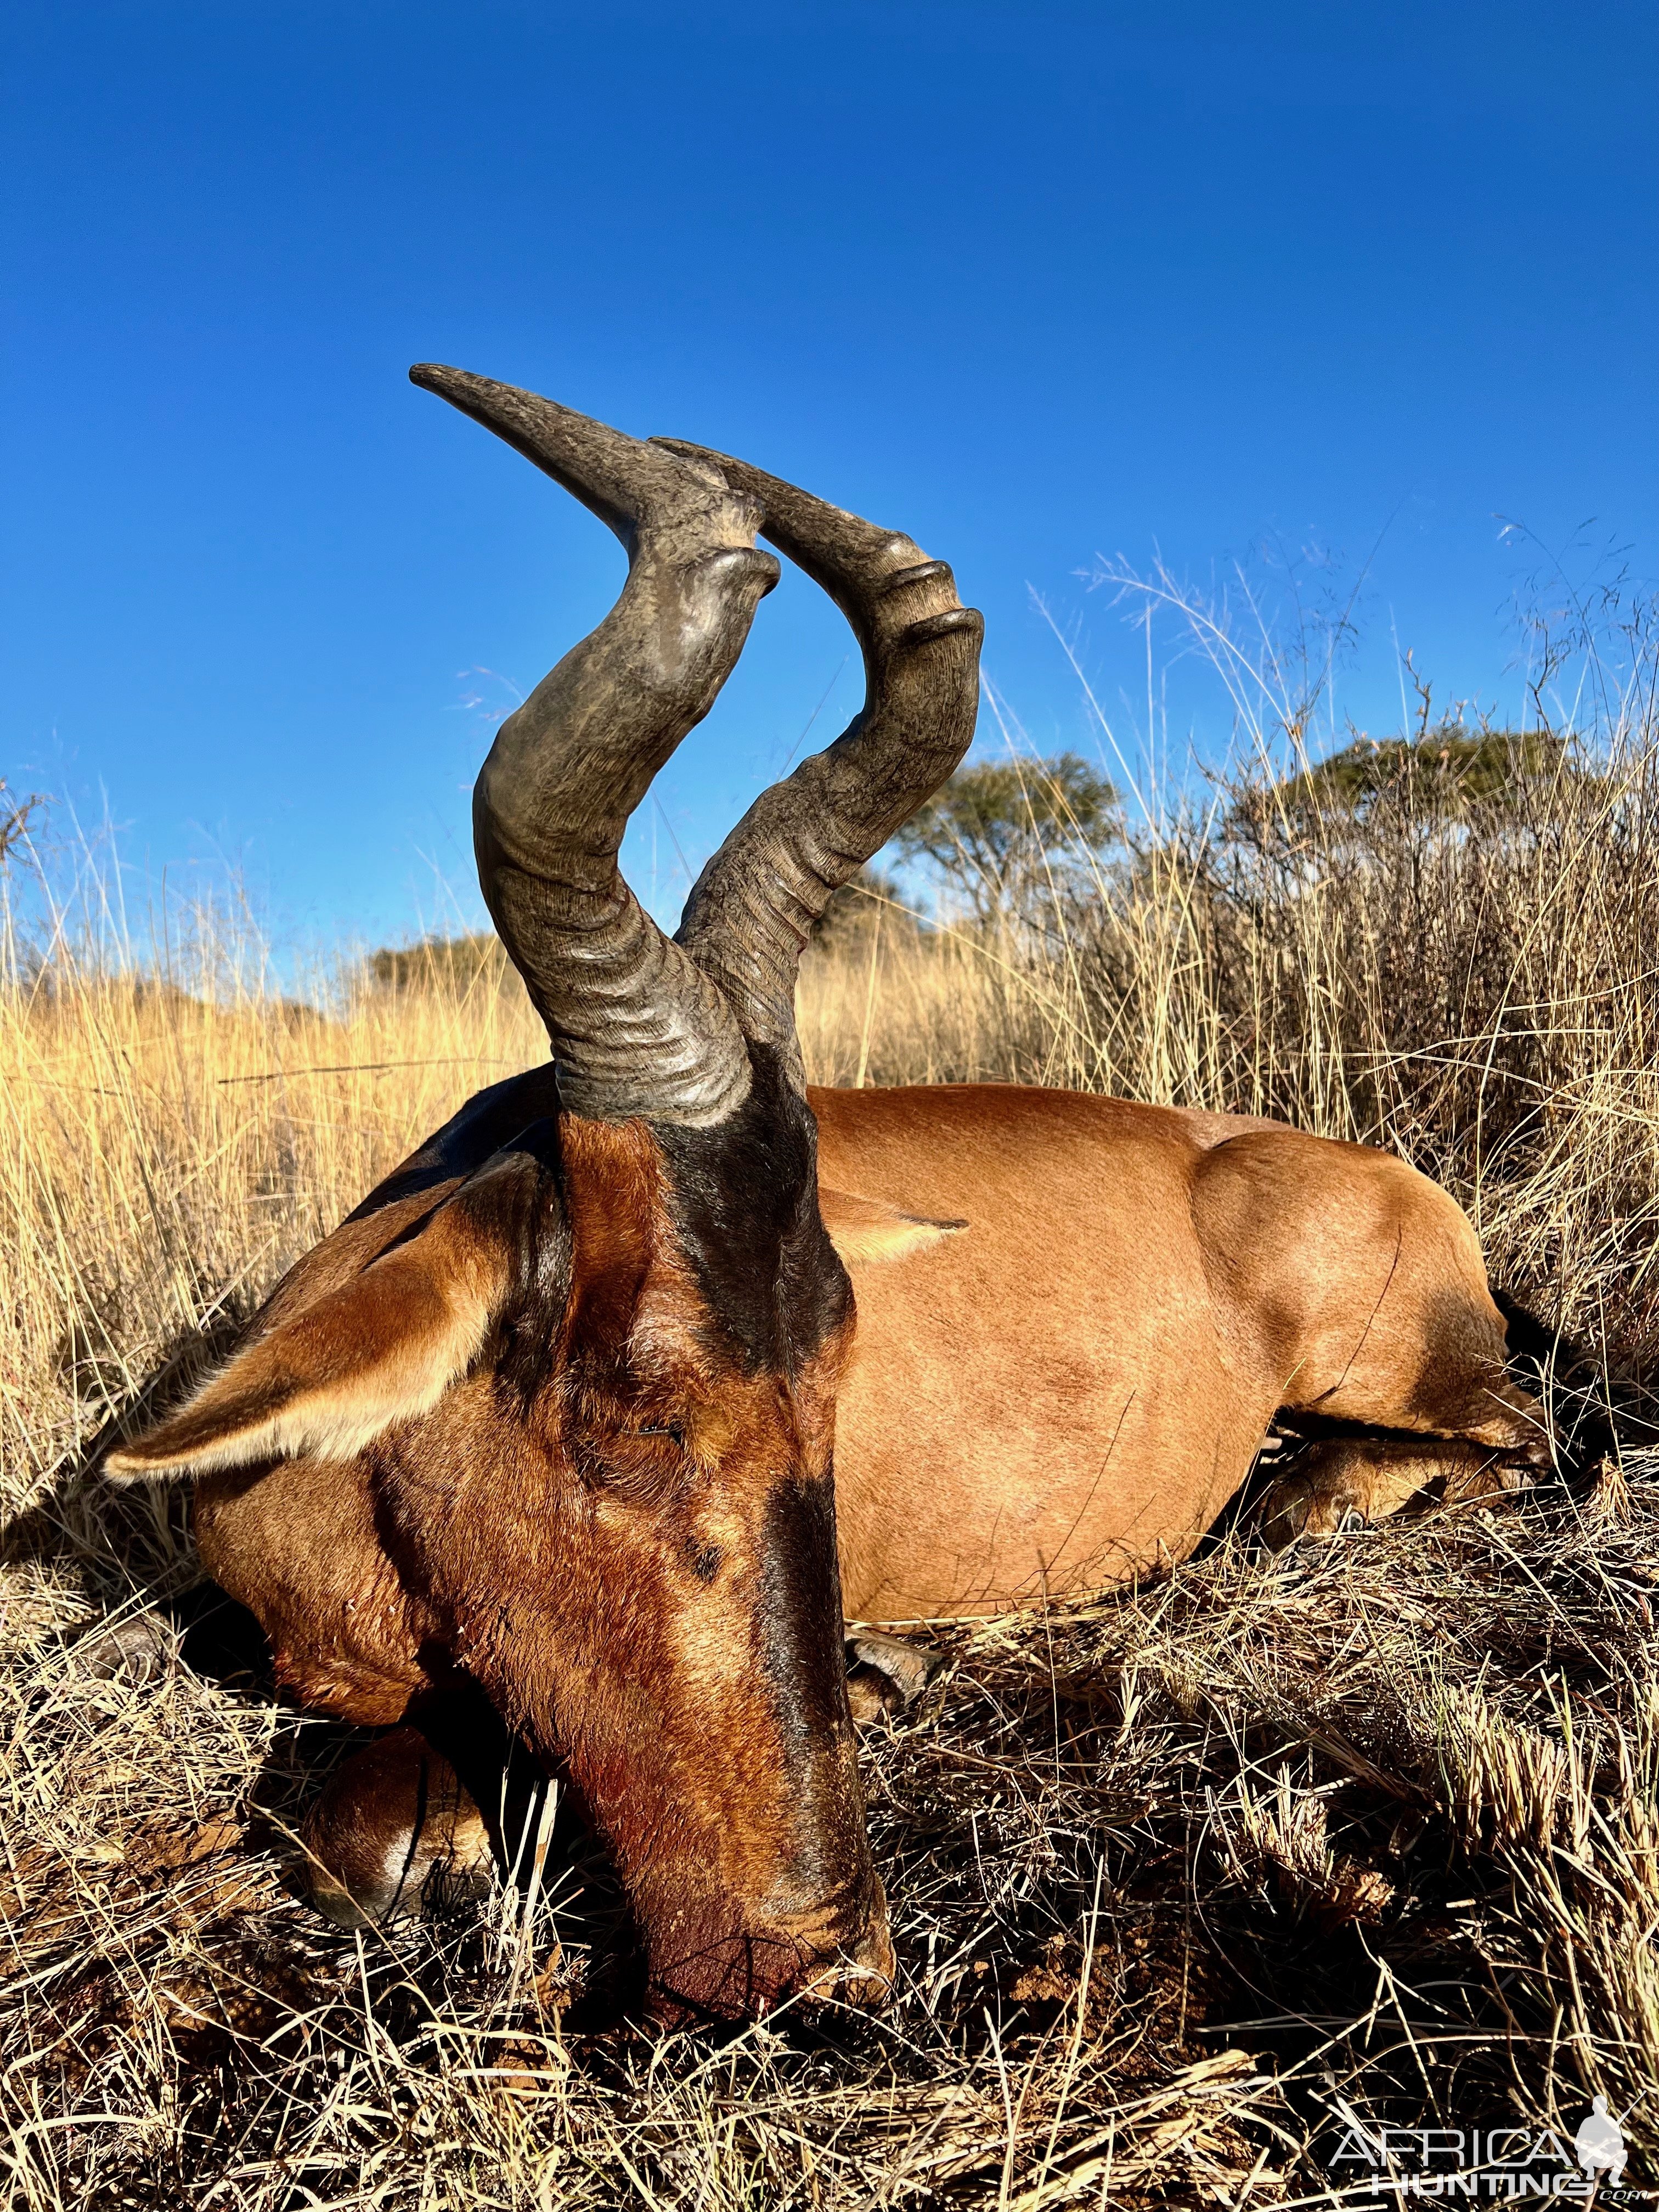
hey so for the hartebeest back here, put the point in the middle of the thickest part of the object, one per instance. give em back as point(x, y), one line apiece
point(554, 1412)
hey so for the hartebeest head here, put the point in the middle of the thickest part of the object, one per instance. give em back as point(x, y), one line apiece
point(590, 1345)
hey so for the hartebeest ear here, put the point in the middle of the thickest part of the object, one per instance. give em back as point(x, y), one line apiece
point(383, 1346)
point(866, 1229)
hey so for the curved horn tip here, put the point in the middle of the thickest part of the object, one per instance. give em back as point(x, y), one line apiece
point(437, 376)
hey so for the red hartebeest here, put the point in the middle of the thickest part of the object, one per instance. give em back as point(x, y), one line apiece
point(553, 1413)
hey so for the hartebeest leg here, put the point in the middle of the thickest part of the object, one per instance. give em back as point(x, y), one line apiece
point(1363, 1286)
point(395, 1821)
point(1349, 1481)
point(1494, 1438)
point(886, 1673)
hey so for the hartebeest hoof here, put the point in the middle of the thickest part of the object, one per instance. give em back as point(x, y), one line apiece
point(885, 1675)
point(395, 1829)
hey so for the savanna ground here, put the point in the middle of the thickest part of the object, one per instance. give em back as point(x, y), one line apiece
point(1188, 1882)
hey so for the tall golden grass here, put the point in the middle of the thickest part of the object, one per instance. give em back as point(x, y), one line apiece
point(177, 1131)
point(1186, 1881)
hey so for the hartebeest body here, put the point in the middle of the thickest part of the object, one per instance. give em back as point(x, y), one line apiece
point(555, 1412)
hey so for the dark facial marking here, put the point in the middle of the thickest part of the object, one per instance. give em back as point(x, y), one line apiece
point(801, 1627)
point(743, 1196)
point(706, 1561)
point(802, 1645)
point(529, 1331)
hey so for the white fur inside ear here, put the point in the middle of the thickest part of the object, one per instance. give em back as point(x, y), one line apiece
point(865, 1228)
point(384, 1348)
point(335, 1419)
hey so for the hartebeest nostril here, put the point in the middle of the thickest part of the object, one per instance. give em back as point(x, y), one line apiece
point(874, 1965)
point(854, 1968)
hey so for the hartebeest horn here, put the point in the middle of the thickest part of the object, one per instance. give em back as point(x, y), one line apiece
point(752, 910)
point(637, 1027)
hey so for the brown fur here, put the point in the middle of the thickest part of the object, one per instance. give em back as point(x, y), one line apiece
point(614, 1523)
point(1073, 1389)
point(395, 1816)
point(586, 1522)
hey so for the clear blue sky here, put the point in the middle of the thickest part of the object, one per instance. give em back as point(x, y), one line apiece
point(1033, 282)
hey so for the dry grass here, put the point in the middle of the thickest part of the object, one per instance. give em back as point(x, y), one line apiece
point(1185, 1882)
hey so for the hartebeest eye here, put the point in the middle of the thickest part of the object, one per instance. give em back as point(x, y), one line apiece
point(645, 1462)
